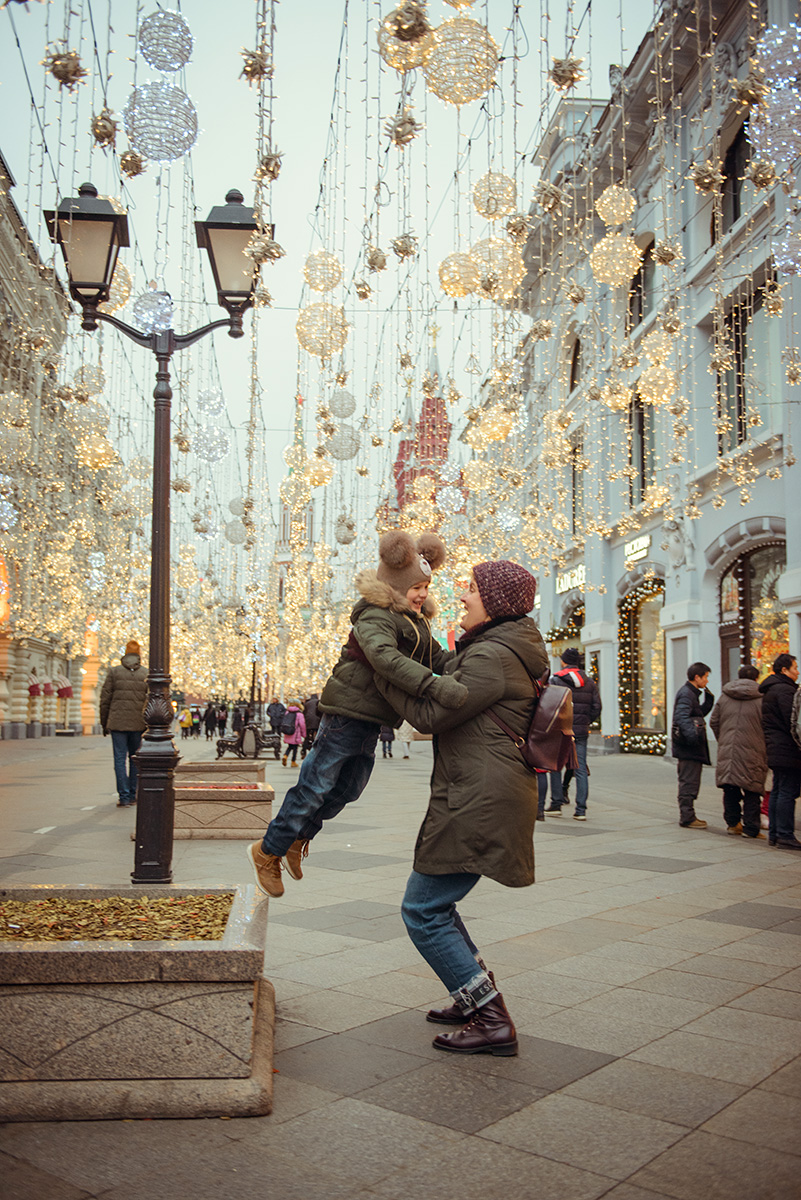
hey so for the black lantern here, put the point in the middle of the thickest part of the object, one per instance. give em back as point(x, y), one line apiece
point(90, 233)
point(225, 234)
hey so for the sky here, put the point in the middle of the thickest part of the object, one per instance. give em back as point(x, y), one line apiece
point(308, 41)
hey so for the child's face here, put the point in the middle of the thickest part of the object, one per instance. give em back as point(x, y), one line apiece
point(417, 596)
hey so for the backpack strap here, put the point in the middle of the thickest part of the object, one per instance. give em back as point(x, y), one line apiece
point(516, 738)
point(539, 687)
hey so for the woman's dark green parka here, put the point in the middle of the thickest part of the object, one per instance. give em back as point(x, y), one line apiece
point(483, 801)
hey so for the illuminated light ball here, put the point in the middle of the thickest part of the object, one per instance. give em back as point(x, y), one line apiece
point(458, 275)
point(160, 121)
point(211, 444)
point(322, 329)
point(508, 518)
point(787, 253)
point(344, 443)
point(211, 402)
point(140, 468)
point(657, 346)
point(152, 312)
point(398, 53)
point(774, 129)
point(497, 422)
point(89, 379)
point(450, 499)
point(500, 259)
point(616, 259)
point(165, 41)
point(294, 456)
point(450, 472)
point(779, 53)
point(658, 384)
point(615, 204)
point(295, 491)
point(479, 475)
point(235, 532)
point(237, 506)
point(322, 271)
point(15, 445)
point(120, 290)
point(495, 195)
point(616, 395)
point(319, 472)
point(95, 451)
point(345, 530)
point(461, 62)
point(206, 527)
point(342, 404)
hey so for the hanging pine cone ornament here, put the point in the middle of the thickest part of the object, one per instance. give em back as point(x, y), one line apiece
point(667, 254)
point(257, 66)
point(541, 330)
point(104, 129)
point(182, 442)
point(566, 73)
point(706, 176)
point(261, 248)
point(363, 289)
point(409, 22)
point(550, 197)
point(403, 128)
point(750, 90)
point(405, 360)
point(132, 164)
point(761, 173)
point(517, 228)
point(65, 66)
point(774, 303)
point(576, 294)
point(269, 166)
point(405, 246)
point(376, 259)
point(262, 298)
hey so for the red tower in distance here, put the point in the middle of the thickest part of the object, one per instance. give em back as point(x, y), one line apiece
point(425, 451)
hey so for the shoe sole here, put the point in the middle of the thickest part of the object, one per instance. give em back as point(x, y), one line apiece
point(289, 870)
point(259, 885)
point(505, 1050)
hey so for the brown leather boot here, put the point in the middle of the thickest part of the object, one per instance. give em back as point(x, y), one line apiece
point(298, 850)
point(453, 1014)
point(489, 1031)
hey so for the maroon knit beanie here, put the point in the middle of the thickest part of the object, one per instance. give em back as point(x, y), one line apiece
point(506, 589)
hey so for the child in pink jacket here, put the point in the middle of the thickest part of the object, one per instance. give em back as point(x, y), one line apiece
point(293, 730)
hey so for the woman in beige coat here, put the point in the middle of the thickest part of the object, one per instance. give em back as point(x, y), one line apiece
point(742, 764)
point(483, 804)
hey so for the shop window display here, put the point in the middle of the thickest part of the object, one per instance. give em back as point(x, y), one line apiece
point(753, 622)
point(642, 696)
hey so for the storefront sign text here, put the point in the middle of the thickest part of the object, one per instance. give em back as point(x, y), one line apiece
point(637, 548)
point(576, 578)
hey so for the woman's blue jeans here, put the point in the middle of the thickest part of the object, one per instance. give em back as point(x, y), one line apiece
point(434, 925)
point(334, 773)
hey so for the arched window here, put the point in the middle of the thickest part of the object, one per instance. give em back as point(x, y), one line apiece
point(753, 621)
point(576, 365)
point(735, 165)
point(641, 642)
point(641, 290)
point(642, 450)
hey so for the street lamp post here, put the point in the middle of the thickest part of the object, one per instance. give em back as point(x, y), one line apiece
point(90, 233)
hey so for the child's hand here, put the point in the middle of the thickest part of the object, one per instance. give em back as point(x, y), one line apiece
point(448, 692)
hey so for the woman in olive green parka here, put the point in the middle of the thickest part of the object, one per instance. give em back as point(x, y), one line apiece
point(483, 804)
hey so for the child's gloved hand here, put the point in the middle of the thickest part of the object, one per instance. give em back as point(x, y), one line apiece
point(448, 692)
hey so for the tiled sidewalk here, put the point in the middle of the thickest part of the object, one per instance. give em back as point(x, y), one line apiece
point(654, 975)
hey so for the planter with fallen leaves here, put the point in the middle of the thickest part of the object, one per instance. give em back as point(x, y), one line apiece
point(146, 1006)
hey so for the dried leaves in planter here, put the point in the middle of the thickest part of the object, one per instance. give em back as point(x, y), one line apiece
point(133, 919)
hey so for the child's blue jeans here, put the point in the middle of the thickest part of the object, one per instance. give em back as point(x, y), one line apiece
point(334, 773)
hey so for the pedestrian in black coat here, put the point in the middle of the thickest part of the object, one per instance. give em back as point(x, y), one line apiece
point(586, 710)
point(275, 713)
point(784, 757)
point(689, 741)
point(210, 720)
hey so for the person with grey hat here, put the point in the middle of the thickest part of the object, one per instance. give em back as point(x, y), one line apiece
point(391, 638)
point(483, 803)
point(586, 710)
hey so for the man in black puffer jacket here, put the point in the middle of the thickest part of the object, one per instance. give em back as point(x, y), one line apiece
point(690, 744)
point(586, 710)
point(784, 757)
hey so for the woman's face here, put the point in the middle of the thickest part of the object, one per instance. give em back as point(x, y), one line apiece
point(474, 611)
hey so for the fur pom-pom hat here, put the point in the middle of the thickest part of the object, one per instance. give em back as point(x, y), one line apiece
point(405, 562)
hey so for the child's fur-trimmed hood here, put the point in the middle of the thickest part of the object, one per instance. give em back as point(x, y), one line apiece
point(383, 595)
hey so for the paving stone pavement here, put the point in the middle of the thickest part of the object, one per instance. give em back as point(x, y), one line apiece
point(654, 974)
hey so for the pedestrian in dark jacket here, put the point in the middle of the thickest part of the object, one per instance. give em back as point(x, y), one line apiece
point(275, 712)
point(222, 719)
point(742, 763)
point(386, 736)
point(483, 804)
point(122, 702)
point(586, 710)
point(784, 757)
point(391, 635)
point(210, 721)
point(689, 742)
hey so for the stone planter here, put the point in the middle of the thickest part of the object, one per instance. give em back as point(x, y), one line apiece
point(114, 1029)
point(236, 770)
point(211, 809)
